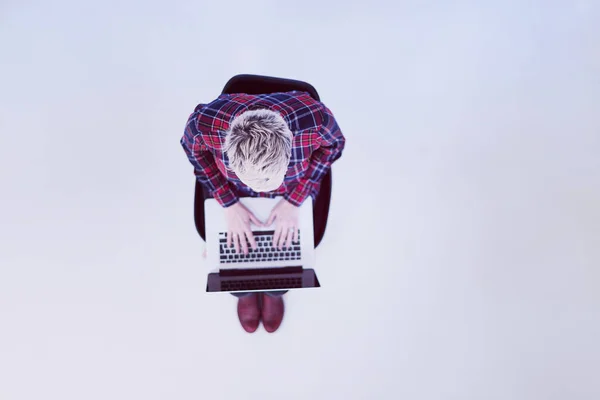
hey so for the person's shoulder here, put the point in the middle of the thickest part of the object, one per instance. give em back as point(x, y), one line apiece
point(214, 116)
point(302, 110)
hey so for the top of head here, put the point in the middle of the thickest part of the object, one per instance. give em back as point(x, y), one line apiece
point(259, 146)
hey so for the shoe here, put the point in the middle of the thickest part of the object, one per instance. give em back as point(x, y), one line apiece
point(249, 312)
point(272, 312)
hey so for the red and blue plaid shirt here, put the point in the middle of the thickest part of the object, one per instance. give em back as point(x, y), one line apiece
point(317, 143)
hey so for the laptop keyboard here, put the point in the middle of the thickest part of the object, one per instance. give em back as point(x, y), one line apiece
point(261, 284)
point(264, 252)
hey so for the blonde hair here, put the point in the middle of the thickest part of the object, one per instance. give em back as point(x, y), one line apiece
point(259, 146)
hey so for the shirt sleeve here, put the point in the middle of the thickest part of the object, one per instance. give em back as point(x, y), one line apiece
point(205, 166)
point(331, 145)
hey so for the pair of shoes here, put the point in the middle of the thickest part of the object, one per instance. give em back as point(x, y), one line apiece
point(250, 311)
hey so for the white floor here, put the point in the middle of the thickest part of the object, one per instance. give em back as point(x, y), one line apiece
point(462, 254)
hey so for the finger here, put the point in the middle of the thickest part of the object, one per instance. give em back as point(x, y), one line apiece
point(240, 241)
point(236, 243)
point(244, 243)
point(250, 237)
point(296, 235)
point(282, 237)
point(290, 236)
point(229, 234)
point(276, 236)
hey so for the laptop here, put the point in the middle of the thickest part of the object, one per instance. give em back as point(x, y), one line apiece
point(267, 268)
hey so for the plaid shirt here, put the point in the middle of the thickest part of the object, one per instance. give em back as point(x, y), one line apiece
point(317, 143)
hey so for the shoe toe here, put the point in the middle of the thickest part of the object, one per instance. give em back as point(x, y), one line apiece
point(271, 326)
point(250, 326)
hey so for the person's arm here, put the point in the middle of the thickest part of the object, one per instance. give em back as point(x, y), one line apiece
point(205, 166)
point(331, 145)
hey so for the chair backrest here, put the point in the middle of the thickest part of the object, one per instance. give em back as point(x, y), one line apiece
point(259, 84)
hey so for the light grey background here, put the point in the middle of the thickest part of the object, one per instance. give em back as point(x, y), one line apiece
point(462, 254)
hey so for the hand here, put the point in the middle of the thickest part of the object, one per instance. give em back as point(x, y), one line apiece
point(286, 216)
point(238, 227)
